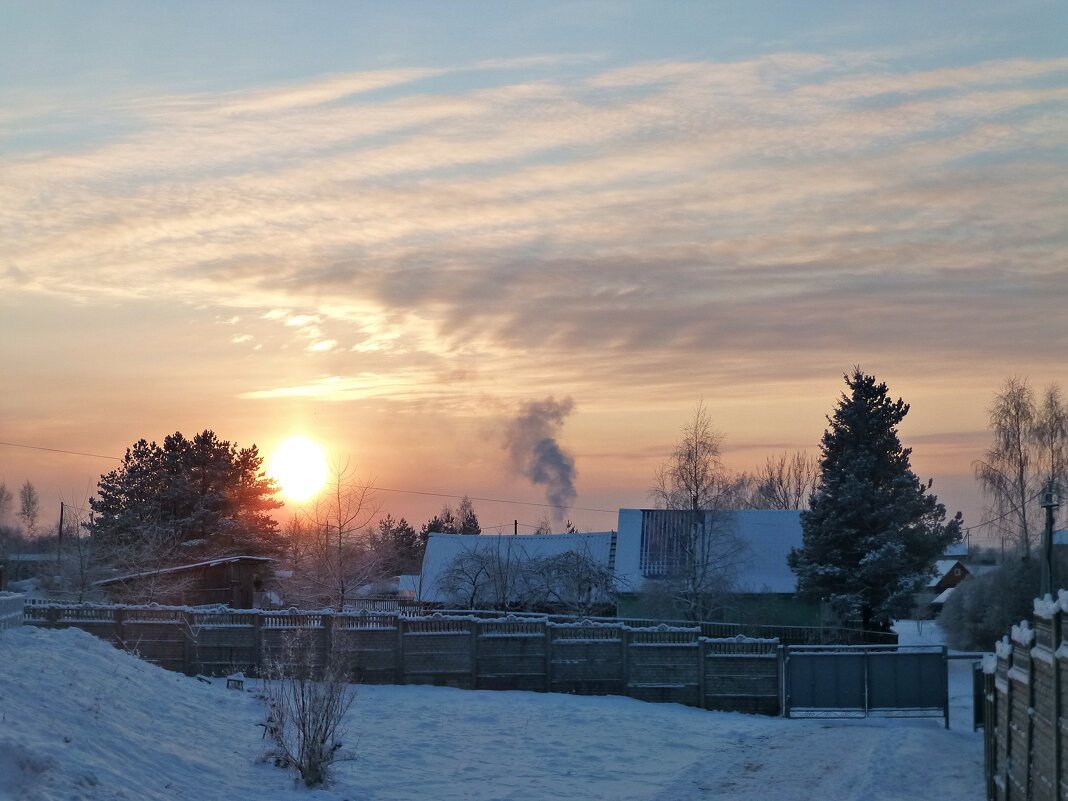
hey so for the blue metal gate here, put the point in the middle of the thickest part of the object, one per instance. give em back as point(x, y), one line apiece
point(863, 680)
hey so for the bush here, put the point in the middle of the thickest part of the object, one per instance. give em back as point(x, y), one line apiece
point(984, 608)
point(306, 708)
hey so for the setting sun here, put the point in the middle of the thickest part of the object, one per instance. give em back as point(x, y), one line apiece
point(299, 466)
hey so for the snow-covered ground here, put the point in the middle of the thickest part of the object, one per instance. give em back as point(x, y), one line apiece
point(82, 720)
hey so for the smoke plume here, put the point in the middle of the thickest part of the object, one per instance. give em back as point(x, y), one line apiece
point(531, 442)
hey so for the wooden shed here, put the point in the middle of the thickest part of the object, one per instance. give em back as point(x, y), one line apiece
point(235, 581)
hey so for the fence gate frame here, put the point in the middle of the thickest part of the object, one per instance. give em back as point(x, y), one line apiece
point(834, 681)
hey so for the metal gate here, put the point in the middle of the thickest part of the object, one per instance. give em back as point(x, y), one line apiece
point(863, 680)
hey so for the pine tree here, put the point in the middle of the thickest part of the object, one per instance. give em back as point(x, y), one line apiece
point(872, 532)
point(186, 498)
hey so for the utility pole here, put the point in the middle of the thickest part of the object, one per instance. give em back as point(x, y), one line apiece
point(59, 540)
point(1049, 503)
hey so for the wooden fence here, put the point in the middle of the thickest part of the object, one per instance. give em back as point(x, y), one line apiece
point(661, 663)
point(1025, 730)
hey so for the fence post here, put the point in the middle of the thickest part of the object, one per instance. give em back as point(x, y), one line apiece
point(780, 666)
point(624, 667)
point(257, 643)
point(118, 619)
point(399, 650)
point(326, 639)
point(188, 645)
point(52, 617)
point(702, 658)
point(1055, 643)
point(472, 629)
point(548, 656)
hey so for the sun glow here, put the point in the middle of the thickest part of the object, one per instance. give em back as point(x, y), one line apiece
point(299, 466)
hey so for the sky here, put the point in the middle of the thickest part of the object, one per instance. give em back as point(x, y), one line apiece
point(398, 228)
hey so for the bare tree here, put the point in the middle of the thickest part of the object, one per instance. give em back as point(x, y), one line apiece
point(80, 563)
point(1028, 451)
point(6, 533)
point(705, 551)
point(786, 481)
point(5, 500)
point(573, 580)
point(29, 507)
point(466, 580)
point(693, 477)
point(334, 552)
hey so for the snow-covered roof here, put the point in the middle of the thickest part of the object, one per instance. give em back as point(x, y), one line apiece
point(943, 596)
point(957, 549)
point(179, 568)
point(443, 549)
point(770, 534)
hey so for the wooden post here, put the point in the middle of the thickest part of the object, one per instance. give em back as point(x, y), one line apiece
point(624, 665)
point(52, 617)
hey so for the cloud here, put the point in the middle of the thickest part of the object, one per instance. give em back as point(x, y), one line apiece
point(693, 221)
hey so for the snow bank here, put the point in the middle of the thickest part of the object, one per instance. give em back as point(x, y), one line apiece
point(82, 720)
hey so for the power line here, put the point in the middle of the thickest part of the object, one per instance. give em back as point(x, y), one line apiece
point(1012, 511)
point(375, 488)
point(60, 450)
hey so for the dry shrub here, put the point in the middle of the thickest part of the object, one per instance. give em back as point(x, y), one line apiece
point(306, 707)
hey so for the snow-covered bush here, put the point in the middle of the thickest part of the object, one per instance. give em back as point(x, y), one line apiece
point(983, 609)
point(306, 707)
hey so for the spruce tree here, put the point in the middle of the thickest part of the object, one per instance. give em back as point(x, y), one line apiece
point(873, 531)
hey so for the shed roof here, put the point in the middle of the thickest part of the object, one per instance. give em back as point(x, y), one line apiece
point(180, 568)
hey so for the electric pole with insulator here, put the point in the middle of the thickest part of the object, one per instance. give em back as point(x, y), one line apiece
point(1049, 503)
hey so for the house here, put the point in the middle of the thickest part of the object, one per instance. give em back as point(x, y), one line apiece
point(641, 555)
point(762, 584)
point(948, 574)
point(235, 581)
point(483, 569)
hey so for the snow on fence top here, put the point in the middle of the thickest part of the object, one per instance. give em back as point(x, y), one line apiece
point(1046, 607)
point(1023, 634)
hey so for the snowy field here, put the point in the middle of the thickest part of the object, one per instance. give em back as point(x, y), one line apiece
point(82, 720)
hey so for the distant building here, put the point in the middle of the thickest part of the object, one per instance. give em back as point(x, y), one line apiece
point(235, 581)
point(948, 574)
point(645, 550)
